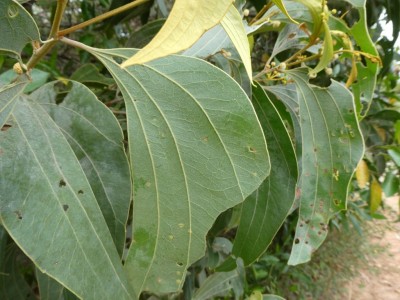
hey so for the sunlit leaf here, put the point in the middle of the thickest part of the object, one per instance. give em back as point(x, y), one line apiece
point(233, 25)
point(180, 123)
point(375, 195)
point(47, 206)
point(17, 27)
point(332, 147)
point(97, 140)
point(362, 174)
point(187, 22)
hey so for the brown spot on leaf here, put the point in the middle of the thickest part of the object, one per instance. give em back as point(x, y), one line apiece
point(5, 127)
point(65, 207)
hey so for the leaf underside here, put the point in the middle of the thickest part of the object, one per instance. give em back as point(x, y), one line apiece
point(332, 146)
point(17, 27)
point(61, 229)
point(97, 140)
point(265, 210)
point(195, 152)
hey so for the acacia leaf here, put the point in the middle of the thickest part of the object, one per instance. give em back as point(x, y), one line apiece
point(332, 147)
point(187, 22)
point(61, 229)
point(195, 152)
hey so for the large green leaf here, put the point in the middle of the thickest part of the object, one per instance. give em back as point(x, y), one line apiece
point(265, 210)
point(195, 152)
point(8, 95)
point(17, 27)
point(332, 146)
point(97, 140)
point(49, 209)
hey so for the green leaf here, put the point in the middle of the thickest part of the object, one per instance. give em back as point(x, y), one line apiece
point(332, 146)
point(8, 96)
point(394, 153)
point(364, 88)
point(233, 25)
point(17, 27)
point(187, 22)
point(145, 34)
point(195, 152)
point(36, 80)
point(221, 283)
point(49, 289)
point(391, 184)
point(265, 210)
point(97, 140)
point(90, 74)
point(280, 4)
point(61, 230)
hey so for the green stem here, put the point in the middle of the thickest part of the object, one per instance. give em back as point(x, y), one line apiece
point(101, 17)
point(61, 4)
point(39, 54)
point(46, 47)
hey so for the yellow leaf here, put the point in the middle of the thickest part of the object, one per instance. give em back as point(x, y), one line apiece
point(362, 174)
point(187, 22)
point(375, 195)
point(233, 25)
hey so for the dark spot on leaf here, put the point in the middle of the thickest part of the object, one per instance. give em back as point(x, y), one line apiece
point(65, 207)
point(292, 35)
point(80, 192)
point(307, 221)
point(5, 127)
point(19, 214)
point(306, 242)
point(297, 241)
point(62, 183)
point(336, 202)
point(180, 264)
point(319, 232)
point(351, 111)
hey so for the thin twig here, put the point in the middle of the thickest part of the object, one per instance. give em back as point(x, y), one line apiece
point(100, 18)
